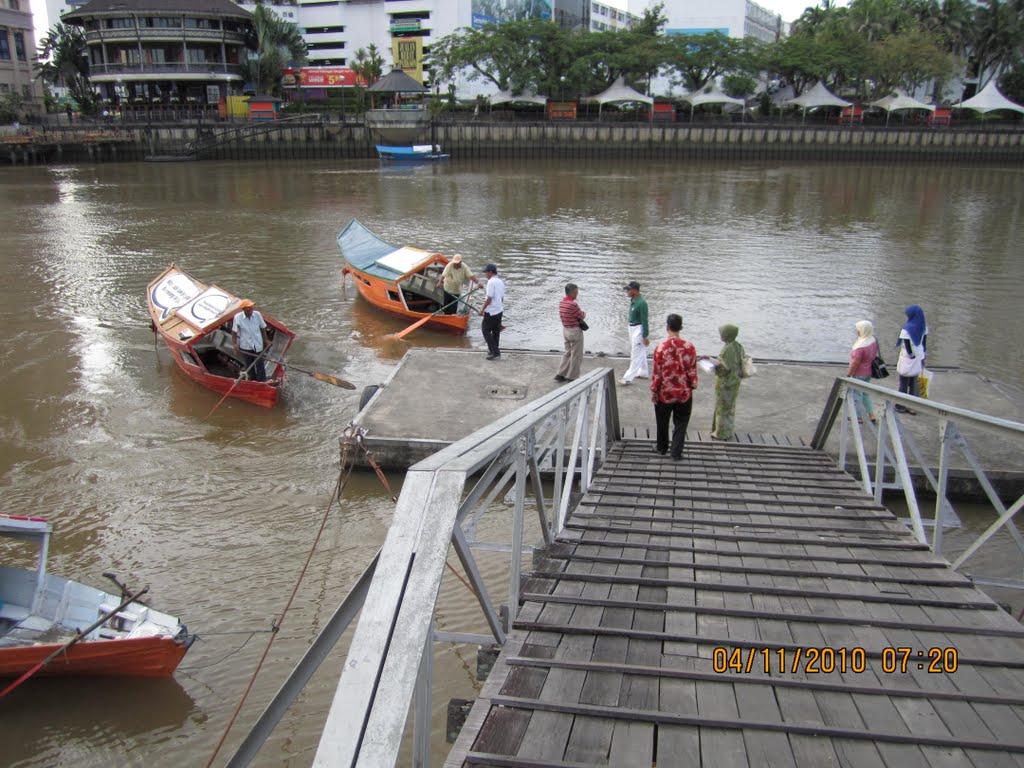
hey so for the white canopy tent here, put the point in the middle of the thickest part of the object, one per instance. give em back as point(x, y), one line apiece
point(714, 96)
point(818, 96)
point(898, 100)
point(618, 93)
point(988, 100)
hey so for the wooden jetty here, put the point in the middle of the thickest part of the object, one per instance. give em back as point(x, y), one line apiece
point(750, 605)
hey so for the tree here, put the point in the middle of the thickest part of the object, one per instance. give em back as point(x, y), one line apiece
point(907, 61)
point(62, 60)
point(12, 107)
point(999, 39)
point(368, 64)
point(274, 43)
point(699, 59)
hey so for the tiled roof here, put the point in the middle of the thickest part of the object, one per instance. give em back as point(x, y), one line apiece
point(199, 8)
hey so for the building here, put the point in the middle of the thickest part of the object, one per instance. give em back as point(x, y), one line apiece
point(164, 53)
point(733, 18)
point(17, 49)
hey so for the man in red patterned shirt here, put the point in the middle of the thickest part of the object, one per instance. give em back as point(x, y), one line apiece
point(672, 385)
point(571, 315)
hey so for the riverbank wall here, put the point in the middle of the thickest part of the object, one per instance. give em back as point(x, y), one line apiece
point(323, 140)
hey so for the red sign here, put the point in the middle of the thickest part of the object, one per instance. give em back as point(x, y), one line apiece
point(321, 77)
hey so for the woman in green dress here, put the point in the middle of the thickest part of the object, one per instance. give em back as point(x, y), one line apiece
point(728, 369)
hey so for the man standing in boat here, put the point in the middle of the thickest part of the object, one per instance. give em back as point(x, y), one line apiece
point(454, 278)
point(494, 306)
point(249, 330)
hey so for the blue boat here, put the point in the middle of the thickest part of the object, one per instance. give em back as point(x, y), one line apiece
point(413, 152)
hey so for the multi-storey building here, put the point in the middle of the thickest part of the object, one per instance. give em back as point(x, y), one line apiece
point(733, 18)
point(17, 49)
point(165, 52)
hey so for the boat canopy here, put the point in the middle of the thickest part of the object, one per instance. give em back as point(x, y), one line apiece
point(367, 253)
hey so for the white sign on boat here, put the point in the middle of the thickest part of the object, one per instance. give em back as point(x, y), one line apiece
point(206, 308)
point(171, 292)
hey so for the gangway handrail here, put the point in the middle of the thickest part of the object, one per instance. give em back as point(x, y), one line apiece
point(391, 647)
point(389, 662)
point(893, 443)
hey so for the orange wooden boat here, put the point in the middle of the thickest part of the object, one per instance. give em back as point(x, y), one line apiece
point(402, 281)
point(40, 613)
point(194, 320)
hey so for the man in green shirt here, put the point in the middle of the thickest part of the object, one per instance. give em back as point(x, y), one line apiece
point(454, 277)
point(638, 334)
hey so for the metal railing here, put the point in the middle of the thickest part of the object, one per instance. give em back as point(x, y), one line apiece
point(896, 448)
point(389, 663)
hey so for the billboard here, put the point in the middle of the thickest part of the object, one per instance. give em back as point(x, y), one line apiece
point(407, 53)
point(320, 77)
point(497, 11)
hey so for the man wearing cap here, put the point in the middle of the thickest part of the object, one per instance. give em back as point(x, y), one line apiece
point(454, 277)
point(491, 311)
point(638, 333)
point(249, 330)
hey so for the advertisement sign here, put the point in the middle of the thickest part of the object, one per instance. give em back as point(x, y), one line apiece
point(206, 308)
point(171, 292)
point(408, 55)
point(492, 12)
point(320, 77)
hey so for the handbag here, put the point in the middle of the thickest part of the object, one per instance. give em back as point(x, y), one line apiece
point(748, 369)
point(583, 325)
point(924, 380)
point(879, 370)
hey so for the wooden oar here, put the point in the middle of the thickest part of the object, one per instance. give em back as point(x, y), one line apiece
point(421, 321)
point(81, 633)
point(321, 376)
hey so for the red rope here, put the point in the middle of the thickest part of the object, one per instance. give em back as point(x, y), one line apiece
point(342, 477)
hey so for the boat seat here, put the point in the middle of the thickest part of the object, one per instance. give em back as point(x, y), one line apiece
point(12, 612)
point(424, 286)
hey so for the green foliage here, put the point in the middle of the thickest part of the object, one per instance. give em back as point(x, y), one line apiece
point(1012, 84)
point(368, 64)
point(273, 43)
point(739, 86)
point(62, 60)
point(699, 59)
point(12, 107)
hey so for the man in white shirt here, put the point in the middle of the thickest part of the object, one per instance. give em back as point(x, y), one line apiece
point(249, 330)
point(492, 310)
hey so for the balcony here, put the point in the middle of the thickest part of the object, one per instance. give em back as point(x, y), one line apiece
point(164, 34)
point(195, 70)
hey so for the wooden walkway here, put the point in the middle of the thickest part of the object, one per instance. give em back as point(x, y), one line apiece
point(748, 606)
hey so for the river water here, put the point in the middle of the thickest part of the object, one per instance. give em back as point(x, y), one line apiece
point(102, 435)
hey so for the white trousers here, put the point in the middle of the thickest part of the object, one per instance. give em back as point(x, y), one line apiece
point(637, 355)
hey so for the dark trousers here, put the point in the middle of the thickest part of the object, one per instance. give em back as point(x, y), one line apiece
point(679, 413)
point(908, 385)
point(491, 327)
point(451, 303)
point(258, 372)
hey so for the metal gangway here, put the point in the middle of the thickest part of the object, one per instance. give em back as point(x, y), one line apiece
point(567, 433)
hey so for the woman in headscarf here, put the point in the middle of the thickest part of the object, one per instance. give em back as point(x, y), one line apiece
point(913, 344)
point(863, 352)
point(728, 368)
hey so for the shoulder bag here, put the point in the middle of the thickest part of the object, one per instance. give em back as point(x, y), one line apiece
point(879, 370)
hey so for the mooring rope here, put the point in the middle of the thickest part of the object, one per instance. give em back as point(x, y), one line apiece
point(351, 437)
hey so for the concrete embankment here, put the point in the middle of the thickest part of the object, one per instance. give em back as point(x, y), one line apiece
point(436, 397)
point(355, 139)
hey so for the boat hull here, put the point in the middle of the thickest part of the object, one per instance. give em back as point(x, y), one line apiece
point(265, 393)
point(376, 291)
point(131, 657)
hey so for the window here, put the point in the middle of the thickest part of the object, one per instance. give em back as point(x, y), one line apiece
point(200, 23)
point(323, 30)
point(5, 45)
point(325, 46)
point(26, 91)
point(4, 88)
point(119, 24)
point(196, 56)
point(19, 46)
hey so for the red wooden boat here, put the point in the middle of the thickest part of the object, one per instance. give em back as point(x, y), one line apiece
point(402, 281)
point(194, 320)
point(40, 613)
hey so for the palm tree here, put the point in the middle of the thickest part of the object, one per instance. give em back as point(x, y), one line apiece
point(62, 60)
point(369, 64)
point(273, 43)
point(998, 39)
